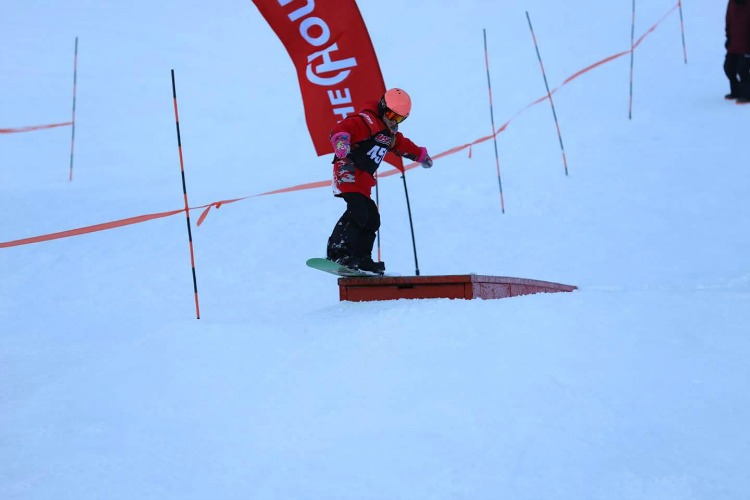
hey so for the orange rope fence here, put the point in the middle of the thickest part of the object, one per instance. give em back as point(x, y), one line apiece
point(300, 187)
point(32, 128)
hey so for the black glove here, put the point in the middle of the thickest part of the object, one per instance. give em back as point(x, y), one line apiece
point(427, 162)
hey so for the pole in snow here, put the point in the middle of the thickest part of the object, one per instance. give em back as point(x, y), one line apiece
point(549, 94)
point(682, 31)
point(184, 192)
point(377, 202)
point(411, 225)
point(492, 121)
point(632, 55)
point(73, 133)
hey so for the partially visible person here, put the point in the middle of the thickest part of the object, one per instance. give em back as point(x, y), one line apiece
point(737, 60)
point(360, 143)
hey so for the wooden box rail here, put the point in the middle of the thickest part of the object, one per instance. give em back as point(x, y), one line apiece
point(466, 286)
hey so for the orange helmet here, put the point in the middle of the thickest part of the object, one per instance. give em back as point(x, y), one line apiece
point(397, 101)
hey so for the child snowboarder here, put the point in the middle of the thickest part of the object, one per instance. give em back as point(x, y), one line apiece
point(360, 143)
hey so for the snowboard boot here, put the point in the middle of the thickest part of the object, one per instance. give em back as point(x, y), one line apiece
point(347, 261)
point(337, 250)
point(367, 264)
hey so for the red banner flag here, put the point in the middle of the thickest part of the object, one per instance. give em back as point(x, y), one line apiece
point(336, 63)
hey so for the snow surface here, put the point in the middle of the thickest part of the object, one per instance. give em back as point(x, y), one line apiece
point(632, 387)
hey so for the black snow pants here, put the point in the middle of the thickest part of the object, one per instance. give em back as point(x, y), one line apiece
point(354, 233)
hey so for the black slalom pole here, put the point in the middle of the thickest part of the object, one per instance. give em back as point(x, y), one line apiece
point(184, 192)
point(411, 224)
point(492, 121)
point(377, 202)
point(73, 122)
point(549, 94)
point(632, 49)
point(682, 31)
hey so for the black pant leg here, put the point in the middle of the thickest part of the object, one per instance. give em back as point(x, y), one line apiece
point(369, 231)
point(730, 70)
point(743, 75)
point(354, 233)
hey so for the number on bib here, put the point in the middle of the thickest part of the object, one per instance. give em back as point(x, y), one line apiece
point(377, 153)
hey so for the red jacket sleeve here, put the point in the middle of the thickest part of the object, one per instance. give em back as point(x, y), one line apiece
point(356, 126)
point(405, 147)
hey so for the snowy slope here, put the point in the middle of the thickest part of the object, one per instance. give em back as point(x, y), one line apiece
point(633, 387)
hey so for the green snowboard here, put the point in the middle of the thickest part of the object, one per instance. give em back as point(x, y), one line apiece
point(331, 267)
